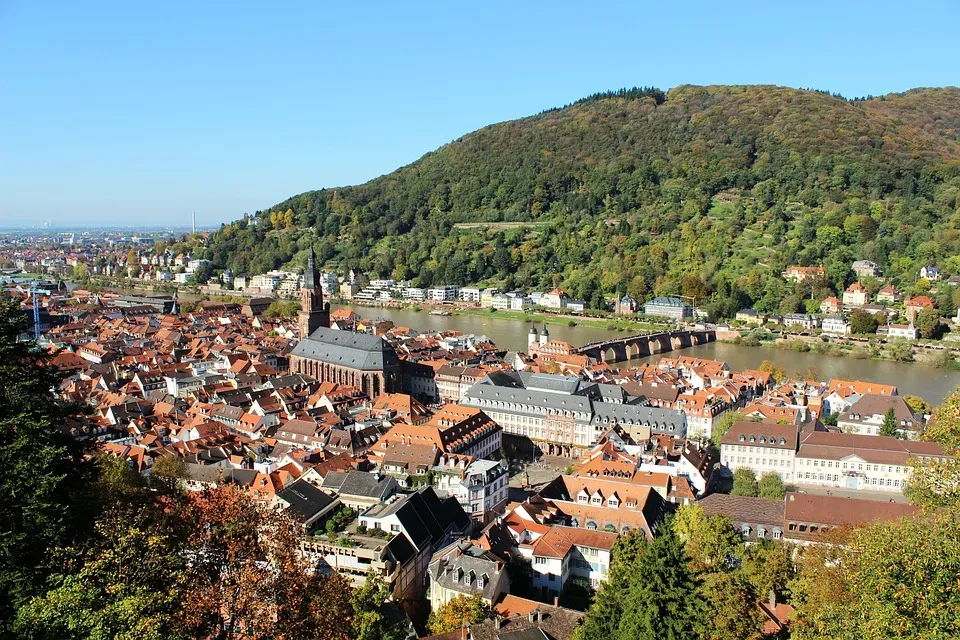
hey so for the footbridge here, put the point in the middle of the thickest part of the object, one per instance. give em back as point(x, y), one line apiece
point(632, 347)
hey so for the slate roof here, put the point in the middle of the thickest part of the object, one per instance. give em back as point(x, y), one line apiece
point(347, 349)
point(305, 500)
point(360, 483)
point(466, 557)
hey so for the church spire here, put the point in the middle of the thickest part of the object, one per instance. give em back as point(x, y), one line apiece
point(310, 275)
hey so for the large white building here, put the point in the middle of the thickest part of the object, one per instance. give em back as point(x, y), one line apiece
point(848, 461)
point(564, 415)
point(761, 447)
point(480, 485)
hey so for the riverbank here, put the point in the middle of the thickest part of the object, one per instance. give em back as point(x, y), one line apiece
point(611, 323)
point(940, 355)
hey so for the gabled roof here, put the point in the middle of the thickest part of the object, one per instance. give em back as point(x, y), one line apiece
point(347, 349)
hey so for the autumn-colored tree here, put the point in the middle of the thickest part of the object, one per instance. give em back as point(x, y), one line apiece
point(918, 404)
point(894, 579)
point(246, 577)
point(459, 611)
point(776, 371)
point(935, 482)
point(768, 566)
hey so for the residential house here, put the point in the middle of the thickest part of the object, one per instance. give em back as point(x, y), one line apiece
point(755, 519)
point(807, 516)
point(856, 295)
point(830, 305)
point(867, 415)
point(866, 269)
point(564, 553)
point(481, 486)
point(751, 316)
point(464, 569)
point(802, 320)
point(915, 305)
point(931, 273)
point(888, 294)
point(799, 274)
point(901, 331)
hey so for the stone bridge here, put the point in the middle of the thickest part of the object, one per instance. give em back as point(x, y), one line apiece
point(632, 347)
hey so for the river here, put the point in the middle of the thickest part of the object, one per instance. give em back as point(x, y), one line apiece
point(917, 379)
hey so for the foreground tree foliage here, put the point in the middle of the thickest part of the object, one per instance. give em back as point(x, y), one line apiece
point(884, 580)
point(935, 483)
point(648, 592)
point(745, 483)
point(41, 487)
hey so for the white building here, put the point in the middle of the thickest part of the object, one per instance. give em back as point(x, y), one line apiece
point(867, 414)
point(470, 294)
point(414, 293)
point(480, 486)
point(443, 293)
point(835, 325)
point(564, 553)
point(761, 447)
point(850, 461)
point(904, 331)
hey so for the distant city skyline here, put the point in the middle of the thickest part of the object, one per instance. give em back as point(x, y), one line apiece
point(123, 113)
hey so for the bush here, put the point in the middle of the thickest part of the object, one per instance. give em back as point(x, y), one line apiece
point(749, 340)
point(571, 324)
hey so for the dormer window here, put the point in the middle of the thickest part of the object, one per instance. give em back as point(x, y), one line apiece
point(753, 438)
point(743, 438)
point(763, 440)
point(783, 441)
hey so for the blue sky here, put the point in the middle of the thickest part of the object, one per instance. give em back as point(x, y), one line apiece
point(135, 112)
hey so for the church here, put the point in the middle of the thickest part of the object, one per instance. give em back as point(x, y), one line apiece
point(356, 359)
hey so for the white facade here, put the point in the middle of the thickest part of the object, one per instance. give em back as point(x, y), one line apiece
point(414, 293)
point(443, 293)
point(470, 294)
point(835, 325)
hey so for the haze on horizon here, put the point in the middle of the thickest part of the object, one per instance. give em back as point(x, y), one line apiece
point(121, 113)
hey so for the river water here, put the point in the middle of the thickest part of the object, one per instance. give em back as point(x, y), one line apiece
point(911, 378)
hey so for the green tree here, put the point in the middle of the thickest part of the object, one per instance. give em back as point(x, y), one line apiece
point(771, 486)
point(768, 566)
point(889, 425)
point(928, 323)
point(733, 612)
point(893, 579)
point(459, 611)
point(710, 541)
point(81, 272)
point(900, 350)
point(168, 473)
point(862, 322)
point(282, 309)
point(658, 604)
point(369, 621)
point(128, 585)
point(744, 483)
point(722, 425)
point(44, 479)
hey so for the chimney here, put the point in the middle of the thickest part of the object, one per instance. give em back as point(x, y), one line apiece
point(539, 616)
point(556, 601)
point(497, 623)
point(532, 616)
point(773, 599)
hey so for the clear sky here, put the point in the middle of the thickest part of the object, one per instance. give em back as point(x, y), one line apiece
point(142, 112)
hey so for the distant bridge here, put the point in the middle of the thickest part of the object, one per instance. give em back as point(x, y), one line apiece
point(632, 347)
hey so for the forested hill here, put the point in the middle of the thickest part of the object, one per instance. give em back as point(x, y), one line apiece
point(706, 190)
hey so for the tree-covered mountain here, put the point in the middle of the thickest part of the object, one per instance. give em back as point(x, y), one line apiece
point(709, 191)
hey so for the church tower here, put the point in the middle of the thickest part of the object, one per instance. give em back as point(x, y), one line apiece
point(314, 312)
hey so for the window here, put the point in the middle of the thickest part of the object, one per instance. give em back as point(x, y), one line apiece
point(394, 527)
